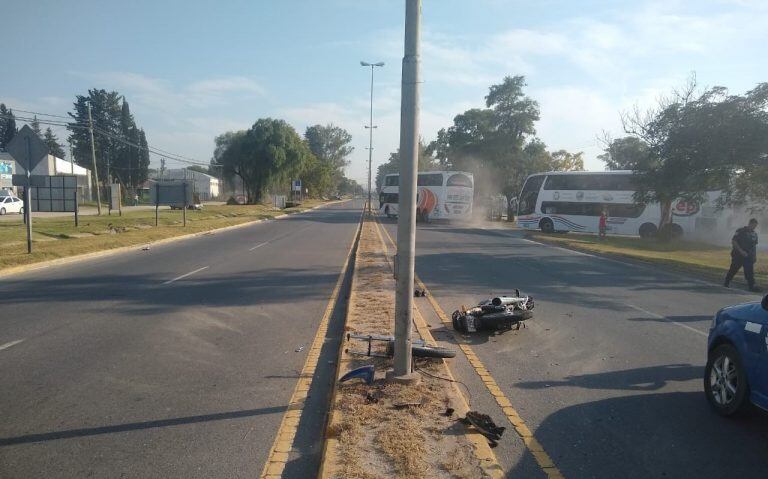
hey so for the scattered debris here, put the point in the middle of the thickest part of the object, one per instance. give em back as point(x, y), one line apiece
point(299, 349)
point(448, 412)
point(365, 373)
point(419, 348)
point(145, 248)
point(419, 293)
point(500, 313)
point(485, 425)
point(403, 405)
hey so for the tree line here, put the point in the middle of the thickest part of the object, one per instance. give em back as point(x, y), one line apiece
point(268, 155)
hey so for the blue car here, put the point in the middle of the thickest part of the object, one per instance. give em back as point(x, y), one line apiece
point(737, 359)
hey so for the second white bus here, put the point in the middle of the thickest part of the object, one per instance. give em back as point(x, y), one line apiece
point(574, 200)
point(441, 195)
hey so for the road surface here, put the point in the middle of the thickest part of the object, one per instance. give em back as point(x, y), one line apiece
point(173, 362)
point(608, 374)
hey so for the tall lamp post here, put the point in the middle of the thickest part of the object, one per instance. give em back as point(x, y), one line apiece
point(370, 128)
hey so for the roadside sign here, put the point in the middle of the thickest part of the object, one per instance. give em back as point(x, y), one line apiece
point(296, 185)
point(17, 147)
point(172, 193)
point(114, 196)
point(57, 193)
point(34, 180)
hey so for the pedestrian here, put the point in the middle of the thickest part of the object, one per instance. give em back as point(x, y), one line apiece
point(744, 254)
point(603, 225)
point(135, 199)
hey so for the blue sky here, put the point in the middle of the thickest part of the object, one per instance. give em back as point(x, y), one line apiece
point(193, 69)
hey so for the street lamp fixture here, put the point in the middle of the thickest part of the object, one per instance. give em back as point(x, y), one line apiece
point(370, 128)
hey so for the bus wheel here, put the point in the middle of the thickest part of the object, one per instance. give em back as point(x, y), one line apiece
point(647, 230)
point(675, 231)
point(547, 226)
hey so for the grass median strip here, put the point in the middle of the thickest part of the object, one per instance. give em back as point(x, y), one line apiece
point(688, 256)
point(55, 238)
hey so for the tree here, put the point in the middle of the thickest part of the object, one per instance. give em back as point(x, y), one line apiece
point(199, 169)
point(54, 148)
point(330, 146)
point(270, 152)
point(623, 153)
point(699, 143)
point(492, 143)
point(119, 141)
point(565, 161)
point(35, 125)
point(7, 126)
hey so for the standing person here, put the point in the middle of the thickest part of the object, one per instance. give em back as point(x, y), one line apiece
point(744, 254)
point(603, 225)
point(135, 199)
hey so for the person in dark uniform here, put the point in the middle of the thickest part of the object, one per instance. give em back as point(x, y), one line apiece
point(744, 254)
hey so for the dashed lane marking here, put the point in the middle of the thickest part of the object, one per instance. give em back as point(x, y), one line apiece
point(534, 447)
point(186, 275)
point(10, 344)
point(664, 318)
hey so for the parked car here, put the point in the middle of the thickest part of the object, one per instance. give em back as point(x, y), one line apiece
point(737, 361)
point(11, 204)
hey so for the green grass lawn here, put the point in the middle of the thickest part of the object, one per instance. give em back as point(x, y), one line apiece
point(58, 237)
point(698, 258)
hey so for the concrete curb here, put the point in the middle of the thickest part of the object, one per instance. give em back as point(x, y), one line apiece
point(26, 268)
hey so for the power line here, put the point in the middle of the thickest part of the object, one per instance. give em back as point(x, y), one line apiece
point(38, 113)
point(150, 149)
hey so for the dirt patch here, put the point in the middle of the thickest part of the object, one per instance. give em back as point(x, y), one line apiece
point(391, 430)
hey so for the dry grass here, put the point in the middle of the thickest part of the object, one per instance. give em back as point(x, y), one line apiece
point(377, 439)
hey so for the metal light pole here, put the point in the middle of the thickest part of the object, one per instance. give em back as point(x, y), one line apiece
point(406, 218)
point(370, 128)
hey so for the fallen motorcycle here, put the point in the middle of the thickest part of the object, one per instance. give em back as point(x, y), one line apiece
point(501, 313)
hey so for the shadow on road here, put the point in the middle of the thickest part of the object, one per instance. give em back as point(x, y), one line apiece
point(639, 379)
point(673, 435)
point(137, 426)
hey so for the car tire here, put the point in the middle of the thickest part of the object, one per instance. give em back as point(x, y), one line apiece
point(547, 226)
point(2, 211)
point(725, 381)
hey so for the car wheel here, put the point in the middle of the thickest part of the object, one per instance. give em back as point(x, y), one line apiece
point(547, 226)
point(2, 211)
point(725, 381)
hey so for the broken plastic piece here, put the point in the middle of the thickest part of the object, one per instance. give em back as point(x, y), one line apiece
point(365, 373)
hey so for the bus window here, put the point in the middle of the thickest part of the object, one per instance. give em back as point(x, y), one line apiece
point(392, 180)
point(530, 195)
point(389, 198)
point(430, 179)
point(577, 208)
point(459, 180)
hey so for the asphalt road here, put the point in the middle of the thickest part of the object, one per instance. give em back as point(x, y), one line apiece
point(608, 374)
point(173, 362)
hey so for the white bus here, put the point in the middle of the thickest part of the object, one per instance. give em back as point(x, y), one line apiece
point(441, 195)
point(574, 200)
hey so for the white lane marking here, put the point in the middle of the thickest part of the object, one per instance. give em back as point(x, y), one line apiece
point(11, 344)
point(259, 245)
point(185, 275)
point(664, 318)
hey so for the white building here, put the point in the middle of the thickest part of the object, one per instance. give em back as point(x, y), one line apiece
point(207, 187)
point(53, 166)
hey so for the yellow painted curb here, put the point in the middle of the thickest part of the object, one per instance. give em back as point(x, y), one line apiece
point(286, 433)
point(534, 447)
point(483, 452)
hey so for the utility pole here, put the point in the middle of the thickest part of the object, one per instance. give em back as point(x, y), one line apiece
point(406, 218)
point(93, 159)
point(370, 128)
point(28, 197)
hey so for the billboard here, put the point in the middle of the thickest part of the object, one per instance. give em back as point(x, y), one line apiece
point(57, 193)
point(172, 193)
